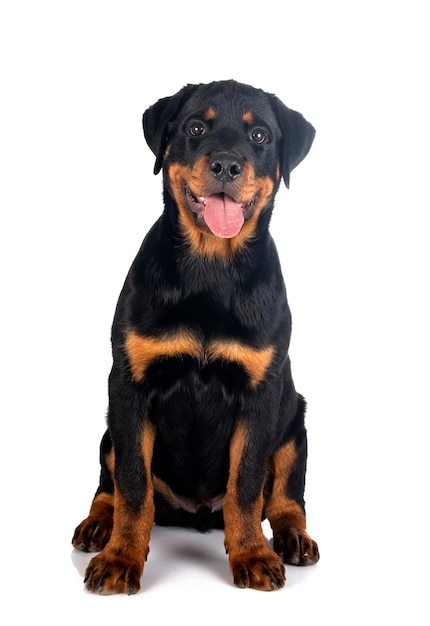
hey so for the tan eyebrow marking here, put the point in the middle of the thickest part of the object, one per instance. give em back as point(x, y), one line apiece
point(210, 114)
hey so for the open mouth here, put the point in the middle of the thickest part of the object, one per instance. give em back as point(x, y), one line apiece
point(221, 213)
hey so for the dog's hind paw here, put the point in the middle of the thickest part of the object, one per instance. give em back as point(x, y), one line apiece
point(296, 547)
point(93, 533)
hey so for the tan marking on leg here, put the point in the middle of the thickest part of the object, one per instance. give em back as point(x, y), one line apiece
point(286, 516)
point(118, 568)
point(110, 461)
point(241, 528)
point(148, 440)
point(252, 562)
point(102, 501)
point(133, 529)
point(279, 509)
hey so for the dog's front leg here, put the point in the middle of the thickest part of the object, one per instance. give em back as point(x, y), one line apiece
point(252, 562)
point(119, 566)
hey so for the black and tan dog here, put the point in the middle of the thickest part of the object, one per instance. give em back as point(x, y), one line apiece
point(205, 427)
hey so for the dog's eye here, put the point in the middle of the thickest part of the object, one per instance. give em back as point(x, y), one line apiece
point(196, 129)
point(258, 135)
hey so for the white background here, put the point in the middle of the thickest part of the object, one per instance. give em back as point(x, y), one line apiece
point(77, 197)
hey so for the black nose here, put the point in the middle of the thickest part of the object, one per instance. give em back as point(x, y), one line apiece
point(225, 167)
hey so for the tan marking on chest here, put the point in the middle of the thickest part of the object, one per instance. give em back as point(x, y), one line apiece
point(143, 350)
point(253, 360)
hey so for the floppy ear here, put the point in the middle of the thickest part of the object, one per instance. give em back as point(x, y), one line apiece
point(297, 137)
point(156, 121)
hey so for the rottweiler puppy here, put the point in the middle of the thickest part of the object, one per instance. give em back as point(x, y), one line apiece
point(205, 427)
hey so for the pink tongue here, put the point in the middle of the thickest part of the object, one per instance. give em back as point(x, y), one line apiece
point(223, 215)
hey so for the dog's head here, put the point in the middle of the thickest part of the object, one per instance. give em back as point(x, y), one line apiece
point(223, 148)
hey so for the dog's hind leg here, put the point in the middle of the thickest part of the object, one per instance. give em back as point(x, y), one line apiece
point(284, 505)
point(94, 532)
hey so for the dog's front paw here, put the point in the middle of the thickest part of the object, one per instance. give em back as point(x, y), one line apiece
point(296, 547)
point(262, 570)
point(110, 572)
